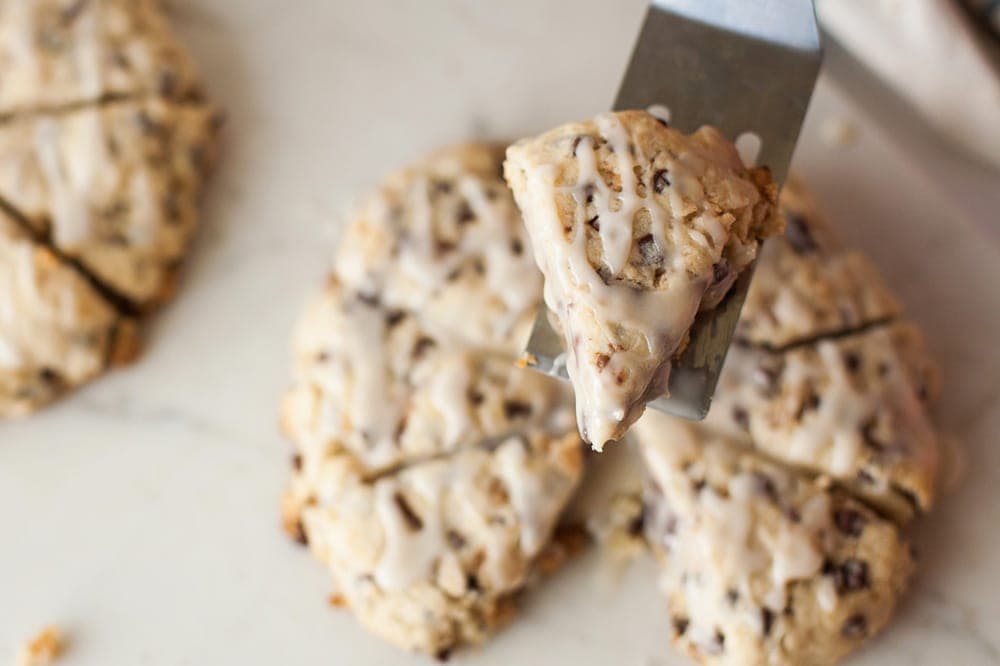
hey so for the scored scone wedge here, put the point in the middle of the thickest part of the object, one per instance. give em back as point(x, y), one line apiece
point(636, 228)
point(115, 187)
point(443, 237)
point(430, 556)
point(762, 565)
point(851, 407)
point(374, 382)
point(807, 285)
point(57, 331)
point(60, 53)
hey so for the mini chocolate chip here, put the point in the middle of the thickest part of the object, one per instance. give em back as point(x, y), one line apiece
point(850, 575)
point(515, 409)
point(741, 417)
point(411, 517)
point(798, 234)
point(517, 247)
point(48, 375)
point(475, 397)
point(732, 596)
point(680, 625)
point(601, 361)
point(793, 515)
point(443, 246)
point(720, 272)
point(422, 344)
point(849, 522)
point(852, 361)
point(588, 193)
point(393, 317)
point(661, 181)
point(594, 224)
point(455, 540)
point(698, 485)
point(444, 654)
point(718, 645)
point(636, 524)
point(472, 583)
point(766, 620)
point(297, 462)
point(465, 214)
point(856, 626)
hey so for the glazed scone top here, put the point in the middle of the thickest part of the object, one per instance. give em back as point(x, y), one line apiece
point(374, 381)
point(635, 227)
point(762, 564)
point(443, 238)
point(57, 53)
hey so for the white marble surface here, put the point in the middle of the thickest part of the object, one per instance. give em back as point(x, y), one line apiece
point(141, 514)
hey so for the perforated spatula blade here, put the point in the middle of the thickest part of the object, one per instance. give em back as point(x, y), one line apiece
point(744, 67)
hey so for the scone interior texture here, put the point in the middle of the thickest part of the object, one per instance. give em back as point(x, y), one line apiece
point(762, 564)
point(105, 142)
point(430, 471)
point(636, 228)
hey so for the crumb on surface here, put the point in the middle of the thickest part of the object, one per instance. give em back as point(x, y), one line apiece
point(42, 649)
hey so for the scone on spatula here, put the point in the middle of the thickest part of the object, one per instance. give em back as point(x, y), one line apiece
point(636, 228)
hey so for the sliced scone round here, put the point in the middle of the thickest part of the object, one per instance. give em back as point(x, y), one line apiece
point(635, 227)
point(56, 329)
point(851, 407)
point(444, 238)
point(114, 187)
point(762, 565)
point(60, 53)
point(429, 556)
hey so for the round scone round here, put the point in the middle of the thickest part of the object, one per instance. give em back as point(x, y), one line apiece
point(105, 142)
point(444, 238)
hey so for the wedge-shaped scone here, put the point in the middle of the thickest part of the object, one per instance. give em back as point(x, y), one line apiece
point(56, 330)
point(444, 238)
point(762, 565)
point(58, 53)
point(429, 557)
point(114, 187)
point(851, 407)
point(636, 227)
point(807, 285)
point(375, 382)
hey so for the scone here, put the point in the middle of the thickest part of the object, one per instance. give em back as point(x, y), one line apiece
point(56, 329)
point(762, 565)
point(635, 227)
point(430, 556)
point(807, 285)
point(115, 187)
point(60, 53)
point(444, 238)
point(374, 382)
point(850, 407)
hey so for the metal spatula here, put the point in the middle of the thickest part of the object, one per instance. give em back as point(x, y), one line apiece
point(744, 66)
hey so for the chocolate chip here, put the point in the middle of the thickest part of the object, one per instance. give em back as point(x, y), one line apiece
point(732, 596)
point(393, 317)
point(649, 251)
point(661, 181)
point(856, 626)
point(798, 235)
point(465, 215)
point(680, 625)
point(594, 224)
point(720, 272)
point(517, 247)
point(411, 517)
point(515, 409)
point(741, 417)
point(850, 575)
point(455, 540)
point(852, 361)
point(698, 485)
point(444, 654)
point(588, 193)
point(475, 397)
point(601, 361)
point(636, 524)
point(718, 644)
point(48, 376)
point(422, 344)
point(443, 246)
point(297, 462)
point(849, 522)
point(766, 620)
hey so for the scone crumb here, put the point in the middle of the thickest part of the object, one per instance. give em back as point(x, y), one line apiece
point(43, 648)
